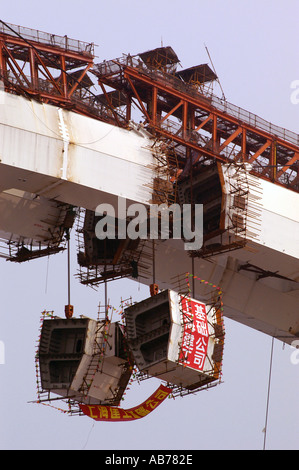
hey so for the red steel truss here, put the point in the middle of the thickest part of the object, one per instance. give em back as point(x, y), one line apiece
point(39, 64)
point(49, 68)
point(178, 107)
point(202, 127)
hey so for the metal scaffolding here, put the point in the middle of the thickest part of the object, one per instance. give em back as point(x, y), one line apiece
point(178, 106)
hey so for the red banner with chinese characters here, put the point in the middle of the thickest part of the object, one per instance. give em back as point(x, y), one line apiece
point(112, 413)
point(195, 335)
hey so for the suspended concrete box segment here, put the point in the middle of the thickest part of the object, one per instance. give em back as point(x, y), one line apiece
point(231, 206)
point(84, 360)
point(205, 188)
point(96, 251)
point(177, 339)
point(108, 258)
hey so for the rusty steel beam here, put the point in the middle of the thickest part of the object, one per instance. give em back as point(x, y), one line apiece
point(231, 138)
point(41, 59)
point(242, 133)
point(214, 132)
point(78, 81)
point(47, 49)
point(138, 98)
point(110, 104)
point(172, 111)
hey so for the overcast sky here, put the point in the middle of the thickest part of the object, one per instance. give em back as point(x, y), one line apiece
point(254, 48)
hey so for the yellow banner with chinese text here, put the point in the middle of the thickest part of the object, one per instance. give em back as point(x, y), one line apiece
point(112, 413)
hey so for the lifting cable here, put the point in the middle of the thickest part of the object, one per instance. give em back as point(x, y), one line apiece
point(47, 274)
point(154, 263)
point(106, 302)
point(268, 394)
point(68, 309)
point(154, 288)
point(218, 79)
point(68, 270)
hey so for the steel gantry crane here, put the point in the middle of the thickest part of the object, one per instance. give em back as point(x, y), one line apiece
point(151, 133)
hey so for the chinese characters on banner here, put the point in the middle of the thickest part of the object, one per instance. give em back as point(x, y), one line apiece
point(111, 413)
point(195, 335)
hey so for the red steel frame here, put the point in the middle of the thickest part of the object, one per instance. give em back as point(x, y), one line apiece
point(230, 139)
point(191, 123)
point(43, 71)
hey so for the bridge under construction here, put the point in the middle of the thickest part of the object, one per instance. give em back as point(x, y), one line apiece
point(140, 128)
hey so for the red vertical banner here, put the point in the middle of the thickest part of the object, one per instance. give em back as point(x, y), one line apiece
point(111, 413)
point(195, 334)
